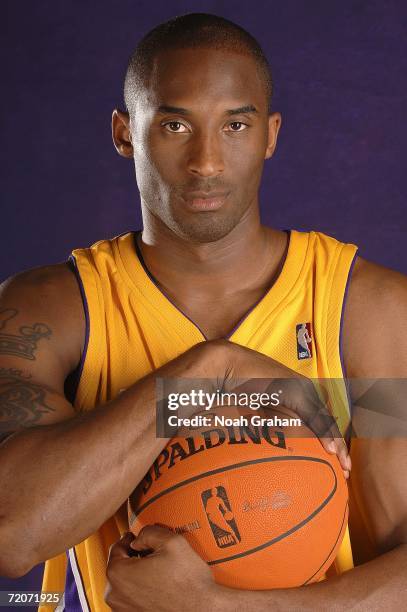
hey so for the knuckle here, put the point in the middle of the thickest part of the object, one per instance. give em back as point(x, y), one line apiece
point(218, 342)
point(217, 347)
point(152, 530)
point(176, 541)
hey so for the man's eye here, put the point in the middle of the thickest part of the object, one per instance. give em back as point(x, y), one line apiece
point(175, 126)
point(237, 126)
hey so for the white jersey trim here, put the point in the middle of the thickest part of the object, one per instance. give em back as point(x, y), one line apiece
point(78, 580)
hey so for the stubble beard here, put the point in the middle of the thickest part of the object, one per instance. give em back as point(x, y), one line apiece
point(205, 227)
point(199, 227)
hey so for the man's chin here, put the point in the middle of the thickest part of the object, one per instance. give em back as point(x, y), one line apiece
point(205, 231)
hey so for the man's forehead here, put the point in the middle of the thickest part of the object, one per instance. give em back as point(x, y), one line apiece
point(200, 68)
point(189, 78)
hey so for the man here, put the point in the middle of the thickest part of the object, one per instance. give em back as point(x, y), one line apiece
point(205, 291)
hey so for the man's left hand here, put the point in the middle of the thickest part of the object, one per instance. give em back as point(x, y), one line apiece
point(170, 577)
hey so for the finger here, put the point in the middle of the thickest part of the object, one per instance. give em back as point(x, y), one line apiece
point(120, 550)
point(329, 445)
point(337, 446)
point(320, 421)
point(152, 538)
point(343, 455)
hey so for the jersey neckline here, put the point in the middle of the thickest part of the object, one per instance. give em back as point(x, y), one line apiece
point(143, 281)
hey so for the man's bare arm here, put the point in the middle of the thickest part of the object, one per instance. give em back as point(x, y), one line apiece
point(62, 474)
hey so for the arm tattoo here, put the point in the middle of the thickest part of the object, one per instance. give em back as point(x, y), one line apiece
point(25, 344)
point(22, 403)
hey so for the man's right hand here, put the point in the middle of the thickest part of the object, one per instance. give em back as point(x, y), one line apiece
point(240, 369)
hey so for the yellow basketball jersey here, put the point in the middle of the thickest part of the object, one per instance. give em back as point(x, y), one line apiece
point(133, 328)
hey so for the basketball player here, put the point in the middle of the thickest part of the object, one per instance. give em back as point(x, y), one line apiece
point(203, 291)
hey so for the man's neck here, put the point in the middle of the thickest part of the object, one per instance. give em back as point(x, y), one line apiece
point(246, 259)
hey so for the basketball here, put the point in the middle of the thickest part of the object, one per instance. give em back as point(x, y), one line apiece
point(264, 509)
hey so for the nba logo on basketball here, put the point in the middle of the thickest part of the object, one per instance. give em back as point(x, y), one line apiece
point(304, 341)
point(220, 517)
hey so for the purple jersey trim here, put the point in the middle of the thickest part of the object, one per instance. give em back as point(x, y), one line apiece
point(343, 366)
point(239, 323)
point(72, 601)
point(72, 382)
point(154, 281)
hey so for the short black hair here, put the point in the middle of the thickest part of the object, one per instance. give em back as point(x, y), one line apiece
point(187, 31)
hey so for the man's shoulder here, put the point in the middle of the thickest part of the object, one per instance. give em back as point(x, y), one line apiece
point(374, 320)
point(376, 292)
point(51, 280)
point(385, 282)
point(51, 295)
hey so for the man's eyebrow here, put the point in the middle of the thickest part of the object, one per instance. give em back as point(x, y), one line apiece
point(173, 109)
point(243, 109)
point(178, 110)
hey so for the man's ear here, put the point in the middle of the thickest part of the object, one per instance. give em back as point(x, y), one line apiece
point(121, 133)
point(274, 127)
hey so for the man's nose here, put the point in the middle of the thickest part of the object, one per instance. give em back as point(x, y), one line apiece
point(205, 155)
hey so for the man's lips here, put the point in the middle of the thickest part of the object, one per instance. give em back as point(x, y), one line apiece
point(201, 200)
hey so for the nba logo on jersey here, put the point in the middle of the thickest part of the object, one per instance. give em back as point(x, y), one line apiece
point(304, 341)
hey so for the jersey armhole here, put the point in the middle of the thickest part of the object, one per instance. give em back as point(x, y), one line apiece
point(345, 298)
point(72, 380)
point(339, 289)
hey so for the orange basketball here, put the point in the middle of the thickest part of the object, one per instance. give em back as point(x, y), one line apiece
point(263, 509)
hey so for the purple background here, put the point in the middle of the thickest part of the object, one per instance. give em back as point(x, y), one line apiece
point(340, 83)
